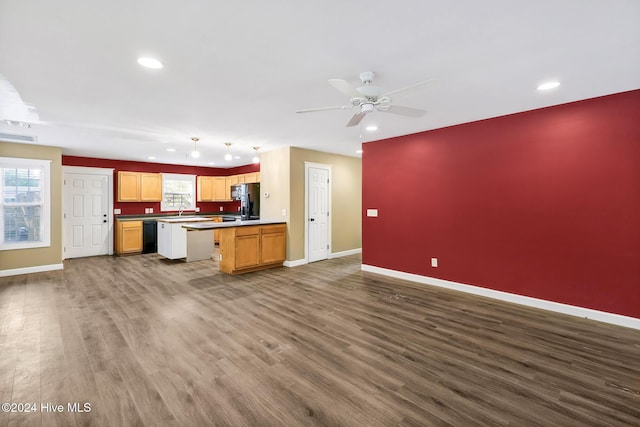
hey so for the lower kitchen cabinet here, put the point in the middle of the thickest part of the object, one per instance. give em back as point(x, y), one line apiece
point(251, 248)
point(273, 243)
point(172, 240)
point(128, 237)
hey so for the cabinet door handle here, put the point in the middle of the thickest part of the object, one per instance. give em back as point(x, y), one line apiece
point(104, 220)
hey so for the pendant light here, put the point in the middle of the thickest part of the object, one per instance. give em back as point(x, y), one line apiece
point(195, 153)
point(256, 159)
point(228, 157)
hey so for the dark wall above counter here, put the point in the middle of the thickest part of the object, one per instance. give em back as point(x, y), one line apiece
point(138, 208)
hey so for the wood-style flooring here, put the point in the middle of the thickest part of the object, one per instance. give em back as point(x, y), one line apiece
point(150, 342)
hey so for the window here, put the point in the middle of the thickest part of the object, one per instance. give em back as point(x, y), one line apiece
point(25, 208)
point(178, 192)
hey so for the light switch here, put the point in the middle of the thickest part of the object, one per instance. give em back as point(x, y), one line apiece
point(117, 211)
point(284, 212)
point(372, 212)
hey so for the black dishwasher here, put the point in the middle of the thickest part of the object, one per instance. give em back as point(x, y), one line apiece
point(149, 236)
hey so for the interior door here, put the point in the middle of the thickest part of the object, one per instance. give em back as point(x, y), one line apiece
point(318, 212)
point(86, 210)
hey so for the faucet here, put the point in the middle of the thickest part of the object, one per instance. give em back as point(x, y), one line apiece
point(180, 210)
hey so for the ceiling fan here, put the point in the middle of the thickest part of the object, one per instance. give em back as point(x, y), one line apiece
point(368, 98)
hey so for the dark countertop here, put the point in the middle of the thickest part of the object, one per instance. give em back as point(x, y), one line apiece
point(197, 226)
point(143, 217)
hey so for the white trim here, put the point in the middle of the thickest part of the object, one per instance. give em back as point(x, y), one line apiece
point(29, 270)
point(329, 168)
point(572, 310)
point(164, 207)
point(108, 172)
point(295, 263)
point(46, 189)
point(345, 253)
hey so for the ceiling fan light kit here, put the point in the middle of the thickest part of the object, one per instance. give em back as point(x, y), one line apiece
point(368, 98)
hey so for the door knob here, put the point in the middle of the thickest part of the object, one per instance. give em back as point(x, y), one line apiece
point(312, 219)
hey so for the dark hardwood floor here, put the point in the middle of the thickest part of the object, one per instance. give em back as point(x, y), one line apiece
point(147, 341)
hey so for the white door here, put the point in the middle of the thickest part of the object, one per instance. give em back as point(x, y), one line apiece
point(86, 215)
point(318, 213)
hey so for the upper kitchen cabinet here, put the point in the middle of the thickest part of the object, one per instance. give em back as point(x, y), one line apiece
point(150, 187)
point(213, 189)
point(204, 192)
point(139, 187)
point(250, 178)
point(245, 178)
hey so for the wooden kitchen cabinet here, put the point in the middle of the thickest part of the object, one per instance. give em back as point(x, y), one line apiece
point(247, 247)
point(212, 189)
point(139, 187)
point(128, 237)
point(221, 191)
point(273, 243)
point(216, 233)
point(150, 187)
point(250, 178)
point(128, 186)
point(250, 248)
point(205, 187)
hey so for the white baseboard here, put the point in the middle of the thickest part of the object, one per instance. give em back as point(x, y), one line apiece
point(299, 262)
point(345, 253)
point(587, 313)
point(28, 270)
point(295, 263)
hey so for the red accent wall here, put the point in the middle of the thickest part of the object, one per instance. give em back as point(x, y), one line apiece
point(134, 208)
point(544, 203)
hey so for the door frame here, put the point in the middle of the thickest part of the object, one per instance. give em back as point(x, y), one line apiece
point(328, 167)
point(108, 172)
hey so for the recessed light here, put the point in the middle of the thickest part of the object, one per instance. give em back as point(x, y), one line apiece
point(150, 63)
point(171, 149)
point(372, 128)
point(359, 151)
point(211, 163)
point(151, 157)
point(548, 85)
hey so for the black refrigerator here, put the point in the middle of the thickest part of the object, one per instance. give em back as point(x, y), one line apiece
point(249, 196)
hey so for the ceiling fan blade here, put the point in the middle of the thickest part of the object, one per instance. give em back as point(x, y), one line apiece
point(404, 111)
point(312, 110)
point(410, 90)
point(356, 119)
point(345, 87)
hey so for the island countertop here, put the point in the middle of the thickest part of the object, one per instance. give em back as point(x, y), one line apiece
point(208, 225)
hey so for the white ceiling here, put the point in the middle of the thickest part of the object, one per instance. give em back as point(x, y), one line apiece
point(238, 70)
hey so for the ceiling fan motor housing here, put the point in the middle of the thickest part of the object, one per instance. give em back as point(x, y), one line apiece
point(366, 108)
point(367, 76)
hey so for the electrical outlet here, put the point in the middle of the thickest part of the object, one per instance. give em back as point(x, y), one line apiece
point(150, 210)
point(117, 211)
point(221, 209)
point(372, 212)
point(434, 262)
point(284, 212)
point(197, 209)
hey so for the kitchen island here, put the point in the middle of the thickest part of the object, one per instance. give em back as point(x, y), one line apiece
point(245, 246)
